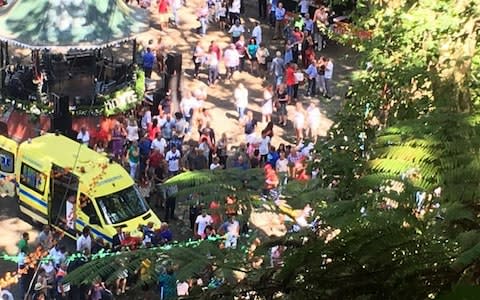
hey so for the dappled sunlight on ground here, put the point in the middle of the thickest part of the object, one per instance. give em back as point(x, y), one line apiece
point(269, 223)
point(12, 229)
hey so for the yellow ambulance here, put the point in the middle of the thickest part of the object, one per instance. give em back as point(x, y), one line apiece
point(69, 186)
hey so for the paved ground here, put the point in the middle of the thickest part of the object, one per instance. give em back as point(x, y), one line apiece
point(219, 101)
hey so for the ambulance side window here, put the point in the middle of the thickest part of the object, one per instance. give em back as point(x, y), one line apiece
point(6, 161)
point(86, 205)
point(32, 178)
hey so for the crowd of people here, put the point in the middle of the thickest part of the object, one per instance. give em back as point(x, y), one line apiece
point(158, 140)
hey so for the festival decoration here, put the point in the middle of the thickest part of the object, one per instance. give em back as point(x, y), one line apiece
point(42, 256)
point(31, 261)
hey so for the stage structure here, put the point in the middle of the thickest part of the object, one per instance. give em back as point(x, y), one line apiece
point(73, 69)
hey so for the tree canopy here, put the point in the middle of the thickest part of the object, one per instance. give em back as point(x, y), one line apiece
point(398, 191)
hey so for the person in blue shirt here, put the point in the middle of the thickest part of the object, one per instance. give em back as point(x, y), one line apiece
point(167, 285)
point(144, 146)
point(240, 163)
point(272, 156)
point(148, 62)
point(308, 24)
point(164, 235)
point(279, 19)
point(273, 6)
point(311, 72)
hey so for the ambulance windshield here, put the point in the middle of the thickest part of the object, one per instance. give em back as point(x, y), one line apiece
point(122, 206)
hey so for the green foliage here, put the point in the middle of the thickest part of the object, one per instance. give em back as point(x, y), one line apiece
point(140, 83)
point(409, 126)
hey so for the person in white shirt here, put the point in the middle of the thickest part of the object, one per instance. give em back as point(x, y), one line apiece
point(57, 254)
point(84, 242)
point(264, 147)
point(236, 31)
point(231, 228)
point(182, 288)
point(328, 77)
point(173, 157)
point(132, 130)
point(146, 118)
point(231, 60)
point(281, 167)
point(234, 11)
point(215, 164)
point(187, 105)
point(201, 222)
point(241, 100)
point(159, 143)
point(257, 33)
point(83, 136)
point(313, 120)
point(176, 5)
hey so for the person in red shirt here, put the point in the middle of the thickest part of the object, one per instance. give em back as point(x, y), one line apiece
point(271, 178)
point(153, 129)
point(100, 135)
point(301, 171)
point(163, 13)
point(155, 159)
point(290, 80)
point(215, 213)
point(130, 242)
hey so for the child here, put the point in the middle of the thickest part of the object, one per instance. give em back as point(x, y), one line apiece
point(215, 164)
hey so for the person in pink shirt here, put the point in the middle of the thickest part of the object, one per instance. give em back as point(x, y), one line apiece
point(215, 48)
point(232, 60)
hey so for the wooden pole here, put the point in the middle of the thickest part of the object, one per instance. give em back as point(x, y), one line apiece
point(7, 58)
point(2, 69)
point(134, 52)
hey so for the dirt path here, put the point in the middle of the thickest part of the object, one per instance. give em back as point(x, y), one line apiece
point(219, 101)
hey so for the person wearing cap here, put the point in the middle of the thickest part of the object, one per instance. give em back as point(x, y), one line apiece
point(41, 286)
point(257, 33)
point(277, 68)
